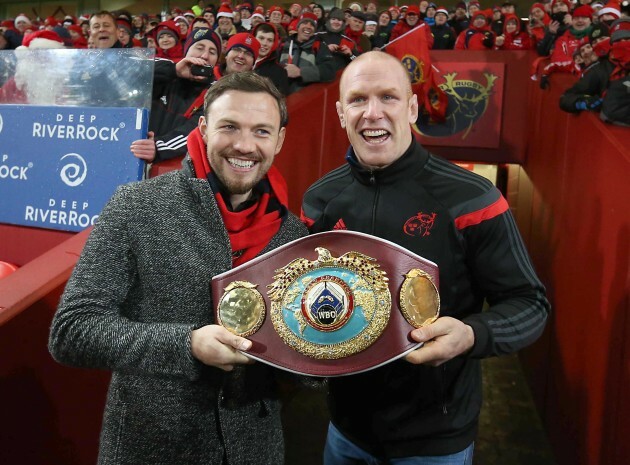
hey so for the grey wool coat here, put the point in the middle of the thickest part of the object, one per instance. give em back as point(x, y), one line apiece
point(141, 286)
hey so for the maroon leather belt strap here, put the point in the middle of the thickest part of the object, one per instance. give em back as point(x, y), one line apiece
point(329, 304)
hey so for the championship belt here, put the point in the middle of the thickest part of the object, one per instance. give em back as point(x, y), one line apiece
point(346, 304)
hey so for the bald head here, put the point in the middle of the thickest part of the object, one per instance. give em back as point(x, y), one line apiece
point(375, 61)
point(376, 107)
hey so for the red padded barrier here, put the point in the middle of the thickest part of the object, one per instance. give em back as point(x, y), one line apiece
point(578, 233)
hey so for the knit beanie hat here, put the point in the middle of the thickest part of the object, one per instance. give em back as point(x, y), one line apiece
point(202, 34)
point(167, 27)
point(620, 30)
point(584, 11)
point(307, 16)
point(244, 40)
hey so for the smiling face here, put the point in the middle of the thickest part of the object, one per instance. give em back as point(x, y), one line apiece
point(238, 59)
point(376, 108)
point(511, 27)
point(305, 31)
point(412, 19)
point(275, 17)
point(266, 40)
point(580, 23)
point(103, 31)
point(166, 41)
point(243, 135)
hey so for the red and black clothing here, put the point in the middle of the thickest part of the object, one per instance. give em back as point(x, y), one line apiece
point(461, 222)
point(175, 109)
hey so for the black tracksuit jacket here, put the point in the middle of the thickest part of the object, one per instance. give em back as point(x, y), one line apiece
point(172, 97)
point(460, 221)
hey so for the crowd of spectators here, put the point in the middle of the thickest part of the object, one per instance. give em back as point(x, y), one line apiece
point(305, 43)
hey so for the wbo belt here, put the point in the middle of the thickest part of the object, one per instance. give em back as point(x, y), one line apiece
point(329, 304)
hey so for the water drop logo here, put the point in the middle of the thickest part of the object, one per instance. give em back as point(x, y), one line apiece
point(74, 171)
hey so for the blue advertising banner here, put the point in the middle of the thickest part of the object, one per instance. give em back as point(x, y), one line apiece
point(60, 165)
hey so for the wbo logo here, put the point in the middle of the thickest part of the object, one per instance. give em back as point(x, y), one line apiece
point(74, 172)
point(467, 103)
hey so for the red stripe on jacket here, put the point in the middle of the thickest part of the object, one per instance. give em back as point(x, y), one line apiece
point(476, 217)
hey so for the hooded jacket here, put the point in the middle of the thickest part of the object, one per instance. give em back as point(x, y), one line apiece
point(269, 67)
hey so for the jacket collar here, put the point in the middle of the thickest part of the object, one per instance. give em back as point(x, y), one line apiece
point(412, 161)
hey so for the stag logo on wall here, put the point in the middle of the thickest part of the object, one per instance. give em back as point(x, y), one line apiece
point(467, 103)
point(74, 171)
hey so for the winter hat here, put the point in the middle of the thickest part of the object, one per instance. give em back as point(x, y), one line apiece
point(64, 34)
point(566, 2)
point(393, 8)
point(244, 40)
point(124, 24)
point(202, 34)
point(258, 15)
point(190, 13)
point(620, 30)
point(225, 12)
point(611, 8)
point(51, 21)
point(584, 11)
point(474, 3)
point(307, 16)
point(181, 18)
point(337, 13)
point(43, 39)
point(167, 27)
point(68, 20)
point(597, 5)
point(537, 5)
point(359, 15)
point(461, 5)
point(413, 10)
point(276, 8)
point(441, 10)
point(21, 17)
point(260, 10)
point(356, 6)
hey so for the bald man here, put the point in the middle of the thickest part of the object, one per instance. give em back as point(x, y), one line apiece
point(422, 409)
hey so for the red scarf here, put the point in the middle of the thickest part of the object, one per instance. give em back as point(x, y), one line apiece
point(251, 229)
point(355, 36)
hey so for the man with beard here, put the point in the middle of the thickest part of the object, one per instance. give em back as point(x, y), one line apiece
point(178, 96)
point(305, 57)
point(139, 302)
point(423, 409)
point(241, 52)
point(267, 63)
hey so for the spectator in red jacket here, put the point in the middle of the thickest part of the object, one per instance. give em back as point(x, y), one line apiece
point(512, 38)
point(538, 21)
point(411, 21)
point(478, 36)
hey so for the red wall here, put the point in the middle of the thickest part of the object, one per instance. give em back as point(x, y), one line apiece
point(573, 206)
